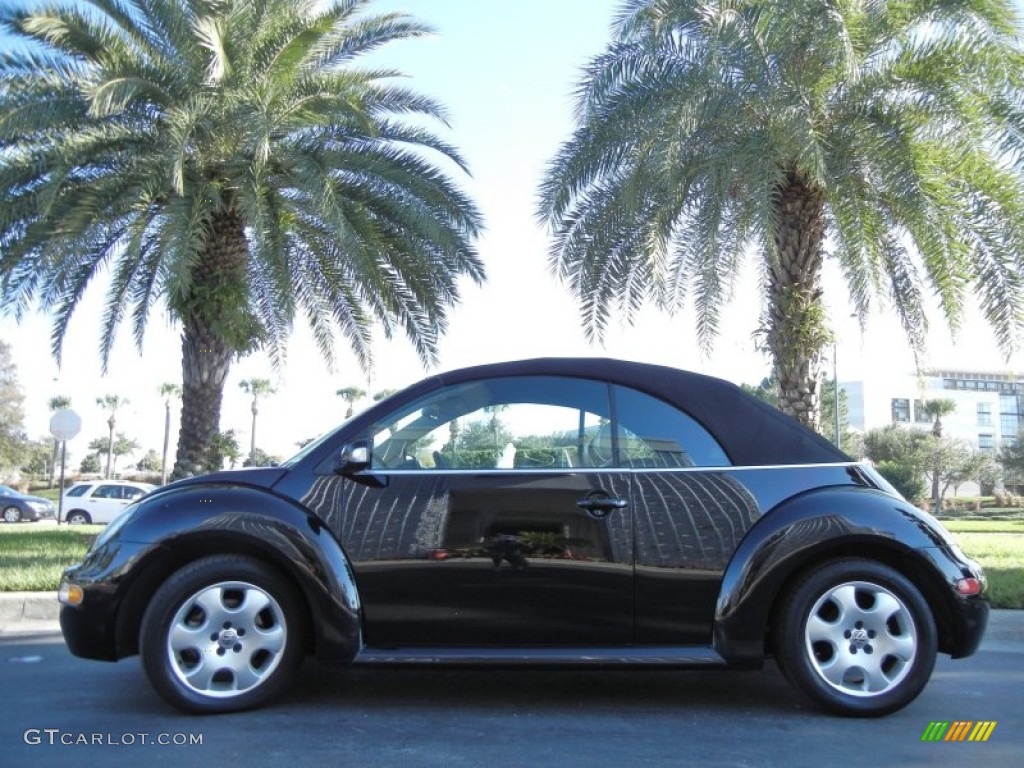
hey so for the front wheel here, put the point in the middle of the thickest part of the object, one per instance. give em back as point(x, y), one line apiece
point(223, 634)
point(857, 637)
point(12, 515)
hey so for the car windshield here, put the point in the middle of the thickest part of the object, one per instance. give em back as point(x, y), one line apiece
point(6, 490)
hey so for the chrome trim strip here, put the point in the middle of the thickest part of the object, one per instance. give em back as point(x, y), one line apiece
point(600, 470)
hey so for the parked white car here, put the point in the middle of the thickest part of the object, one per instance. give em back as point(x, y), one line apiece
point(100, 501)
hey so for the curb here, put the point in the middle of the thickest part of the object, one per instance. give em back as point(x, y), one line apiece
point(38, 611)
point(17, 607)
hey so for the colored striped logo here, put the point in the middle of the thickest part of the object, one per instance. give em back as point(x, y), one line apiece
point(958, 730)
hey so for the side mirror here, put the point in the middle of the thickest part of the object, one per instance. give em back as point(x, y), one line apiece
point(354, 457)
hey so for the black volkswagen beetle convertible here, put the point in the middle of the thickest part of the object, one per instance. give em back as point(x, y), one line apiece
point(560, 512)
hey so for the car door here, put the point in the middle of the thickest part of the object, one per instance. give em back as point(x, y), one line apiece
point(691, 510)
point(489, 517)
point(106, 502)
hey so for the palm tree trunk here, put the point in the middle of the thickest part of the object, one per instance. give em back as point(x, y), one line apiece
point(796, 327)
point(167, 440)
point(110, 448)
point(252, 441)
point(205, 361)
point(217, 307)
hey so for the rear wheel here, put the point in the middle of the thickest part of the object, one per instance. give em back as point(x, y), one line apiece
point(857, 637)
point(78, 517)
point(223, 634)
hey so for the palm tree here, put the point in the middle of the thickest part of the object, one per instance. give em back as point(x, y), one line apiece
point(229, 160)
point(123, 446)
point(168, 391)
point(937, 409)
point(884, 135)
point(257, 388)
point(112, 403)
point(56, 403)
point(350, 395)
point(223, 447)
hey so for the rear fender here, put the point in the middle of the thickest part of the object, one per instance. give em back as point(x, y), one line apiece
point(797, 533)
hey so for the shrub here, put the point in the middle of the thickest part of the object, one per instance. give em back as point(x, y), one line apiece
point(906, 480)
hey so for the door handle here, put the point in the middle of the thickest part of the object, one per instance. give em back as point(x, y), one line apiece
point(600, 504)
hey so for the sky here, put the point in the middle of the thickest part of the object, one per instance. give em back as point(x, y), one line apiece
point(506, 72)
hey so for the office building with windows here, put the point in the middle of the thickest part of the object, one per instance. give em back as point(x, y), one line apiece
point(989, 405)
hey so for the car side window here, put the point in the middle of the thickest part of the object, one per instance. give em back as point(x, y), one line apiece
point(107, 492)
point(132, 493)
point(78, 490)
point(525, 422)
point(654, 434)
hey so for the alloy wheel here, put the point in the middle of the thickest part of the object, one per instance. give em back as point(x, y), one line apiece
point(226, 639)
point(861, 638)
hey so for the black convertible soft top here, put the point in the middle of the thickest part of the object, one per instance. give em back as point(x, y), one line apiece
point(751, 432)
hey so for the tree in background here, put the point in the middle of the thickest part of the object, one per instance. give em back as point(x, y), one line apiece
point(12, 414)
point(936, 409)
point(1011, 458)
point(260, 458)
point(230, 160)
point(35, 458)
point(898, 456)
point(115, 448)
point(223, 448)
point(350, 395)
point(168, 391)
point(90, 464)
point(908, 458)
point(709, 129)
point(257, 388)
point(150, 462)
point(112, 403)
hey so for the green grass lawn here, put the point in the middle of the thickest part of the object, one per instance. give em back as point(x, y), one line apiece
point(33, 558)
point(984, 526)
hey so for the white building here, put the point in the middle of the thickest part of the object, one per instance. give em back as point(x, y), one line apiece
point(989, 405)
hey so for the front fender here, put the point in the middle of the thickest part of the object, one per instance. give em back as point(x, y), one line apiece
point(799, 532)
point(181, 524)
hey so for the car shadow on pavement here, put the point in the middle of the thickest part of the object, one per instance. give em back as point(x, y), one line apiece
point(594, 691)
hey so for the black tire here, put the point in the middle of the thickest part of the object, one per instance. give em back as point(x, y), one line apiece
point(78, 517)
point(857, 637)
point(12, 514)
point(223, 634)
